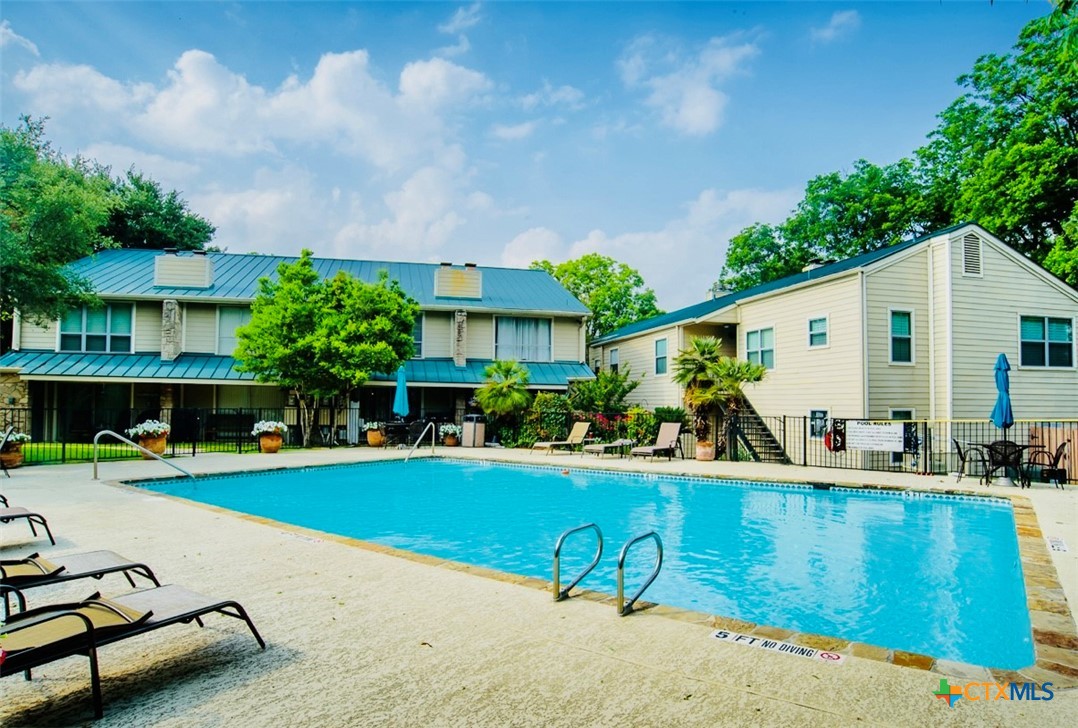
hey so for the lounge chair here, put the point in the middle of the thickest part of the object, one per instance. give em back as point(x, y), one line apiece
point(39, 636)
point(8, 514)
point(965, 456)
point(667, 441)
point(601, 448)
point(37, 571)
point(576, 437)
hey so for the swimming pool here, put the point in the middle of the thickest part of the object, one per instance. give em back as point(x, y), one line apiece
point(938, 575)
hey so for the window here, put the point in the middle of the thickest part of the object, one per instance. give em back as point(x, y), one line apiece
point(760, 347)
point(614, 360)
point(660, 356)
point(230, 318)
point(105, 329)
point(1047, 342)
point(901, 337)
point(522, 339)
point(817, 423)
point(417, 337)
point(817, 332)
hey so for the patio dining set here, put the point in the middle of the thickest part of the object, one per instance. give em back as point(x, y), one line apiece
point(1008, 459)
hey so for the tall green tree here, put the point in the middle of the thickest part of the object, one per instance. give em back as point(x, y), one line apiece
point(759, 254)
point(614, 292)
point(145, 216)
point(51, 212)
point(322, 338)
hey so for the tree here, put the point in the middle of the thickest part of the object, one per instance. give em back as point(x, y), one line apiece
point(613, 291)
point(605, 393)
point(759, 254)
point(145, 217)
point(323, 338)
point(505, 392)
point(51, 212)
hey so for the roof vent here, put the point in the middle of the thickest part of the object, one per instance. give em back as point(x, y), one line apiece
point(812, 265)
point(188, 271)
point(971, 256)
point(450, 282)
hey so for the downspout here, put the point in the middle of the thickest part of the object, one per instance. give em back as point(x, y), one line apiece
point(864, 343)
point(931, 333)
point(950, 332)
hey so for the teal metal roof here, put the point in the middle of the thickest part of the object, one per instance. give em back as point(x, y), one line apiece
point(194, 368)
point(130, 273)
point(697, 310)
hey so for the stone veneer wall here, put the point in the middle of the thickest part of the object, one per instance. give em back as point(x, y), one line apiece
point(14, 391)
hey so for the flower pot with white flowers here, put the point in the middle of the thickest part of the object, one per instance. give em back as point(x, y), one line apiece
point(375, 436)
point(270, 434)
point(151, 435)
point(11, 454)
point(450, 434)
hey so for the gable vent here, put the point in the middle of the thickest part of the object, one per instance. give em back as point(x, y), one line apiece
point(971, 255)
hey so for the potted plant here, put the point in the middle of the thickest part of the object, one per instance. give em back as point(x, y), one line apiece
point(450, 434)
point(270, 435)
point(11, 454)
point(375, 436)
point(151, 435)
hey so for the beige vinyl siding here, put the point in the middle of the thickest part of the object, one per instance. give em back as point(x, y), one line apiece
point(438, 335)
point(900, 286)
point(566, 340)
point(147, 326)
point(725, 333)
point(35, 337)
point(200, 328)
point(827, 378)
point(480, 343)
point(986, 320)
point(637, 356)
point(939, 253)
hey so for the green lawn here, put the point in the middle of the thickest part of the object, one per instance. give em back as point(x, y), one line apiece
point(79, 452)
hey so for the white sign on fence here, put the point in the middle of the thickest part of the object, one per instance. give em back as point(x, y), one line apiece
point(881, 436)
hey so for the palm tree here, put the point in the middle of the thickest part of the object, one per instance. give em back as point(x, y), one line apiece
point(506, 390)
point(695, 368)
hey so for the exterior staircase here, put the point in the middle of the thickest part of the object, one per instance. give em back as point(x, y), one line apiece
point(754, 435)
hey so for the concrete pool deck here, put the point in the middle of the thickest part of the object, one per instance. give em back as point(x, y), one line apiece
point(359, 636)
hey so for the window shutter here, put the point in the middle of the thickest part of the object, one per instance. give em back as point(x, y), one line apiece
point(971, 255)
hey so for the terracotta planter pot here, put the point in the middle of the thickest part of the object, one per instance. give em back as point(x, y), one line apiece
point(451, 441)
point(375, 438)
point(12, 456)
point(270, 442)
point(705, 451)
point(155, 445)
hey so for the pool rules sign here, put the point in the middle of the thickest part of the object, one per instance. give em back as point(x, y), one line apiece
point(788, 648)
point(869, 435)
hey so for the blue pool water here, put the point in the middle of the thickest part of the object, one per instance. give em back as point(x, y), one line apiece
point(931, 574)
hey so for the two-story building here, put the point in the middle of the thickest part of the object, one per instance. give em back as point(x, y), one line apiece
point(165, 338)
point(910, 331)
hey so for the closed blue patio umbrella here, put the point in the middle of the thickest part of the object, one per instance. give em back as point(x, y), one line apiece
point(1002, 416)
point(400, 398)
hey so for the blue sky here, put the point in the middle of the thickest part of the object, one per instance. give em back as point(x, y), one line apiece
point(494, 133)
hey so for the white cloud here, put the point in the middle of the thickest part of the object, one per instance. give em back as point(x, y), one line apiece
point(205, 107)
point(538, 243)
point(461, 47)
point(685, 91)
point(9, 38)
point(463, 18)
point(683, 258)
point(567, 96)
point(516, 131)
point(842, 23)
point(171, 173)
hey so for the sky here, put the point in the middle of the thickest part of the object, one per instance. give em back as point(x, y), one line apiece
point(494, 132)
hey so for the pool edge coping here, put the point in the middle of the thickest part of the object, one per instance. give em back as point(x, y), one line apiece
point(1055, 639)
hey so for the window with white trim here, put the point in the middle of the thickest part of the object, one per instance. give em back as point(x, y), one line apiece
point(817, 332)
point(614, 360)
point(230, 318)
point(103, 329)
point(522, 339)
point(417, 337)
point(660, 356)
point(902, 337)
point(1047, 341)
point(760, 347)
point(818, 423)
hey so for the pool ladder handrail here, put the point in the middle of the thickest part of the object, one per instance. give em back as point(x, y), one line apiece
point(138, 447)
point(559, 593)
point(624, 607)
point(430, 426)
